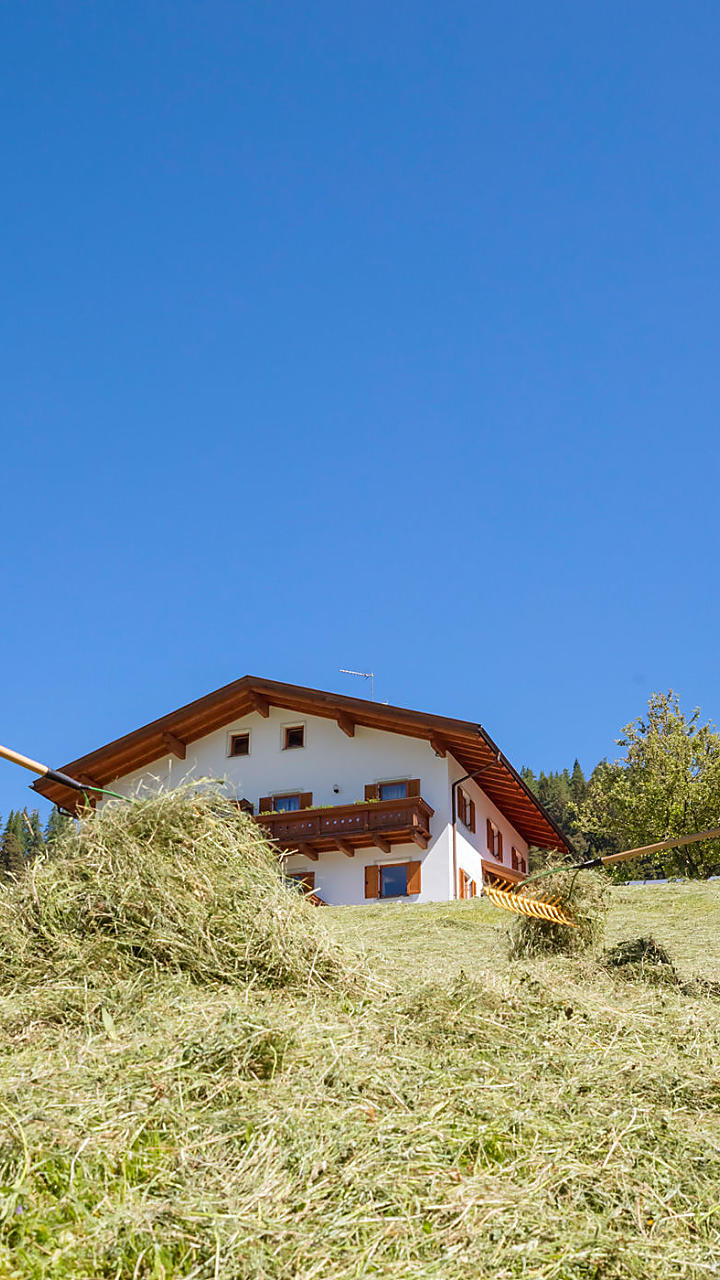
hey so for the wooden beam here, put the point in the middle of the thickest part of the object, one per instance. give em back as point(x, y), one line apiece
point(174, 745)
point(259, 703)
point(420, 839)
point(346, 723)
point(309, 852)
point(438, 746)
point(381, 843)
point(345, 848)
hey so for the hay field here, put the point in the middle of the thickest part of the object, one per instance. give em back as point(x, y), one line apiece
point(430, 1109)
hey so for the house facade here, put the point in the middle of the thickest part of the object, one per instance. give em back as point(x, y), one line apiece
point(364, 801)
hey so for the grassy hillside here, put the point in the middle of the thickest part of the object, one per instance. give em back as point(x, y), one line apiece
point(451, 1114)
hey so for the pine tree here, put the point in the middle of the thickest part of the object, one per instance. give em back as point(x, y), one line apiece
point(578, 784)
point(11, 854)
point(35, 839)
point(16, 826)
point(57, 823)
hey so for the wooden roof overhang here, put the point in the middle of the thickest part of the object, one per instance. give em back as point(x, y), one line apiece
point(469, 743)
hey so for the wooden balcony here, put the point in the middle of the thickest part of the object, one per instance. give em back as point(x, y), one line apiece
point(347, 827)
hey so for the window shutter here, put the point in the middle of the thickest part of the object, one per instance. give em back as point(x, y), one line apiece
point(371, 882)
point(371, 793)
point(471, 823)
point(413, 877)
point(473, 889)
point(306, 799)
point(499, 852)
point(265, 804)
point(490, 841)
point(413, 787)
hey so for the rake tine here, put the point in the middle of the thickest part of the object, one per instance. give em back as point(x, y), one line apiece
point(503, 895)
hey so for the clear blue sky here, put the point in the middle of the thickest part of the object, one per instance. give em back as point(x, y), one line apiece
point(366, 335)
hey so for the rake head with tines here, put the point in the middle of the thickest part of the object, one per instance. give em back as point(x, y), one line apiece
point(511, 898)
point(520, 899)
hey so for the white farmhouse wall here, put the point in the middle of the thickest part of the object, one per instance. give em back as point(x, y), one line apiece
point(472, 846)
point(335, 768)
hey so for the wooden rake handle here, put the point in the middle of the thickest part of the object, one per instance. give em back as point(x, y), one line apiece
point(674, 842)
point(52, 775)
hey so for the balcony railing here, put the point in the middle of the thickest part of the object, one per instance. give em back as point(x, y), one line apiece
point(347, 827)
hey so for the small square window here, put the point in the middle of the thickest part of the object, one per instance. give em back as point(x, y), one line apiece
point(394, 881)
point(240, 744)
point(393, 790)
point(294, 736)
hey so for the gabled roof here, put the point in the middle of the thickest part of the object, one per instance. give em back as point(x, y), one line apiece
point(471, 746)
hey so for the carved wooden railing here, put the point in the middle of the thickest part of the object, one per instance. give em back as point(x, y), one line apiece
point(352, 825)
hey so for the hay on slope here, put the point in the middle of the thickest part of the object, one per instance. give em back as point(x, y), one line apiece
point(182, 880)
point(582, 897)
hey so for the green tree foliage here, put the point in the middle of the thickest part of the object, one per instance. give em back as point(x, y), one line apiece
point(57, 823)
point(15, 825)
point(666, 783)
point(561, 794)
point(11, 855)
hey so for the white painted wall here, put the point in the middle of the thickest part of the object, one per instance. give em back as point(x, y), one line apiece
point(329, 760)
point(472, 846)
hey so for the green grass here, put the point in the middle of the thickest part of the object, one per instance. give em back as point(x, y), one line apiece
point(454, 1115)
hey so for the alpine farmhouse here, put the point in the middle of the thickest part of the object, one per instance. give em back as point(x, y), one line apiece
point(364, 800)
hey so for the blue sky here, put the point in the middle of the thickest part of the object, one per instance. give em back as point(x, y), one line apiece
point(359, 335)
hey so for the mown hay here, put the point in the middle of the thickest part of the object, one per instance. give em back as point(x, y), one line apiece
point(645, 959)
point(582, 897)
point(181, 880)
point(637, 951)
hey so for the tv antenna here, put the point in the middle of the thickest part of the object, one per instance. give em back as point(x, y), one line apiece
point(365, 675)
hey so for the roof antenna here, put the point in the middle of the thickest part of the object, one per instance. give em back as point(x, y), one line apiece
point(366, 675)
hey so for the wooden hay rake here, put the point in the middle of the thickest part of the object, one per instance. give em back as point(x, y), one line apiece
point(516, 898)
point(522, 899)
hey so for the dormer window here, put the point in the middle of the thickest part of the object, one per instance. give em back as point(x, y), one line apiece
point(293, 736)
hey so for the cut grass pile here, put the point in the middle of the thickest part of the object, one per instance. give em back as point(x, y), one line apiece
point(182, 880)
point(582, 897)
point(457, 1115)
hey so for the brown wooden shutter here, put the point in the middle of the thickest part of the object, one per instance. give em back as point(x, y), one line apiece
point(371, 793)
point(371, 882)
point(265, 804)
point(471, 823)
point(490, 841)
point(306, 799)
point(413, 787)
point(473, 889)
point(413, 877)
point(499, 852)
